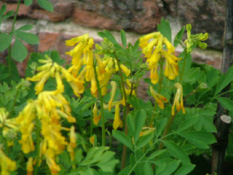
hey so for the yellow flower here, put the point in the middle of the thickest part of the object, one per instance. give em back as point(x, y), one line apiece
point(6, 164)
point(178, 101)
point(92, 140)
point(30, 166)
point(125, 70)
point(54, 168)
point(96, 117)
point(80, 39)
point(153, 47)
point(72, 143)
point(154, 76)
point(7, 124)
point(117, 119)
point(26, 138)
point(146, 130)
point(129, 89)
point(112, 94)
point(158, 98)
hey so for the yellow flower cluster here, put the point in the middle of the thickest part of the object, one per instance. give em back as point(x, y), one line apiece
point(195, 40)
point(44, 114)
point(6, 164)
point(8, 126)
point(83, 62)
point(153, 45)
point(52, 69)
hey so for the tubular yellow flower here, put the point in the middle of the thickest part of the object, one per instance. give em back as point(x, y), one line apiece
point(54, 168)
point(76, 40)
point(178, 101)
point(92, 140)
point(117, 119)
point(94, 90)
point(60, 86)
point(158, 98)
point(154, 76)
point(26, 138)
point(72, 143)
point(146, 130)
point(40, 84)
point(125, 70)
point(30, 166)
point(171, 71)
point(6, 164)
point(96, 117)
point(112, 94)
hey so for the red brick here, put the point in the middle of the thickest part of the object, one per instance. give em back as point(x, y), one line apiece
point(61, 12)
point(23, 10)
point(93, 19)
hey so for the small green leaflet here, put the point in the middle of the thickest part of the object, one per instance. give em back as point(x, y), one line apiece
point(45, 5)
point(165, 29)
point(226, 103)
point(19, 51)
point(179, 36)
point(5, 41)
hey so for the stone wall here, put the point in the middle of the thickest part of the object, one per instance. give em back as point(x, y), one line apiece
point(76, 17)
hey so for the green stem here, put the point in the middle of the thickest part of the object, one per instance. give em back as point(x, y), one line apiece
point(124, 152)
point(12, 30)
point(13, 105)
point(183, 66)
point(91, 127)
point(160, 88)
point(167, 129)
point(37, 146)
point(101, 104)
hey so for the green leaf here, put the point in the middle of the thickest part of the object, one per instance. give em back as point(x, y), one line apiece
point(27, 37)
point(5, 41)
point(131, 125)
point(179, 36)
point(28, 2)
point(200, 139)
point(8, 14)
point(93, 155)
point(170, 166)
point(190, 121)
point(108, 35)
point(26, 27)
point(56, 58)
point(124, 139)
point(139, 122)
point(2, 10)
point(123, 38)
point(19, 51)
point(45, 5)
point(224, 80)
point(144, 140)
point(165, 29)
point(160, 125)
point(157, 154)
point(177, 151)
point(148, 170)
point(226, 103)
point(185, 169)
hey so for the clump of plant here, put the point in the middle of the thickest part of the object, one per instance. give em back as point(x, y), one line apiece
point(86, 117)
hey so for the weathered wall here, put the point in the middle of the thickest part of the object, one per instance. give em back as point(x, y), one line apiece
point(75, 17)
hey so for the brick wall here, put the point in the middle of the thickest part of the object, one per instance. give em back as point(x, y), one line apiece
point(76, 17)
